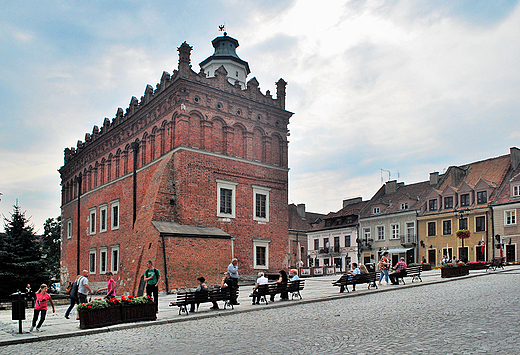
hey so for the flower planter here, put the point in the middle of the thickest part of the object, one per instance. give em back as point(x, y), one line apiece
point(476, 266)
point(138, 312)
point(96, 318)
point(426, 267)
point(454, 271)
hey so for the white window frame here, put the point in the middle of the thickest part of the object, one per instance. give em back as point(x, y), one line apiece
point(261, 243)
point(515, 190)
point(103, 265)
point(259, 190)
point(69, 228)
point(511, 214)
point(113, 262)
point(410, 226)
point(92, 215)
point(395, 230)
point(367, 233)
point(404, 205)
point(221, 184)
point(380, 228)
point(92, 255)
point(103, 220)
point(115, 220)
point(376, 210)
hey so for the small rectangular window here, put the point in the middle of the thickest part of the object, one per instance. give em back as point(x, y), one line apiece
point(260, 256)
point(93, 220)
point(432, 229)
point(102, 260)
point(509, 217)
point(395, 231)
point(261, 203)
point(115, 215)
point(448, 202)
point(516, 190)
point(92, 261)
point(103, 218)
point(347, 241)
point(366, 233)
point(446, 227)
point(375, 210)
point(69, 228)
point(481, 197)
point(463, 223)
point(432, 205)
point(464, 200)
point(380, 232)
point(115, 259)
point(226, 199)
point(316, 244)
point(480, 224)
point(404, 205)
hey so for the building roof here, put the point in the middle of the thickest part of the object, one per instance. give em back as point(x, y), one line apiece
point(176, 229)
point(302, 223)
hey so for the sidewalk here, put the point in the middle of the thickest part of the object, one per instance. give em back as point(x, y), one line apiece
point(317, 289)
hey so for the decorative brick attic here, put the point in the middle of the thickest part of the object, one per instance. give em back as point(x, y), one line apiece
point(190, 175)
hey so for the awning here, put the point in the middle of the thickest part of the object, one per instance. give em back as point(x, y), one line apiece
point(176, 229)
point(398, 250)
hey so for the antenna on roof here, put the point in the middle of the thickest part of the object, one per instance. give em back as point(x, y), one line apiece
point(388, 171)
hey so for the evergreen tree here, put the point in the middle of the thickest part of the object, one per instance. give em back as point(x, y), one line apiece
point(21, 259)
point(51, 245)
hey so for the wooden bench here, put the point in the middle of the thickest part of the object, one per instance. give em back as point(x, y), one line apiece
point(272, 289)
point(185, 299)
point(495, 264)
point(347, 279)
point(412, 271)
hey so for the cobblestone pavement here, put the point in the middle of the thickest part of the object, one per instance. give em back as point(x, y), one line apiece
point(470, 316)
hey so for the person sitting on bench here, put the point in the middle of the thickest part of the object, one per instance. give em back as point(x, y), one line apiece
point(400, 271)
point(202, 288)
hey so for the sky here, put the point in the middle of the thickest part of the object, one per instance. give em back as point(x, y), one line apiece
point(379, 89)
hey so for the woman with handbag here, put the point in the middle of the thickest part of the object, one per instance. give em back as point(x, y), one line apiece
point(384, 265)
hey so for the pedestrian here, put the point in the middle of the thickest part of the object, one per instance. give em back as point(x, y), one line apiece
point(111, 286)
point(233, 275)
point(224, 284)
point(152, 277)
point(384, 265)
point(73, 296)
point(29, 296)
point(83, 289)
point(40, 307)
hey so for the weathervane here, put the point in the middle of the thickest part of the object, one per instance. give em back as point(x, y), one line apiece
point(222, 28)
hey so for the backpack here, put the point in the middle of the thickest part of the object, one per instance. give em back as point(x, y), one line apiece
point(74, 290)
point(67, 291)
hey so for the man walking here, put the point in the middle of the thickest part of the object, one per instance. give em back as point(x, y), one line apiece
point(233, 275)
point(83, 287)
point(152, 277)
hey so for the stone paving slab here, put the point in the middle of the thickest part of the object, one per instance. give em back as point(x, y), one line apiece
point(317, 289)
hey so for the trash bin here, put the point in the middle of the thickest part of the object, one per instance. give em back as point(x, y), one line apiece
point(18, 306)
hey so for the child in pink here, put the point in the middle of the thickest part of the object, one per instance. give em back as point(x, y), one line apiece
point(111, 287)
point(40, 307)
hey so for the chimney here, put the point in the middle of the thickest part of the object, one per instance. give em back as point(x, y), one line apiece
point(300, 208)
point(351, 201)
point(391, 187)
point(515, 157)
point(434, 178)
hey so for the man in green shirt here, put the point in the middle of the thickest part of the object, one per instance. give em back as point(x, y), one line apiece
point(152, 277)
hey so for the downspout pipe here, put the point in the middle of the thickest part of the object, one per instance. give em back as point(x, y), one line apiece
point(135, 149)
point(79, 180)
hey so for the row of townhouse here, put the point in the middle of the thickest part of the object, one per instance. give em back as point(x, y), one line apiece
point(420, 221)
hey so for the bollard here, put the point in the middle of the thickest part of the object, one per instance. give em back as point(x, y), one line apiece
point(18, 309)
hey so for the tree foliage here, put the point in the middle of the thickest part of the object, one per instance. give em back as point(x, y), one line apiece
point(51, 245)
point(21, 259)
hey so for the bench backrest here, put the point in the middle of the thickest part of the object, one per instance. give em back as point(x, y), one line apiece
point(413, 270)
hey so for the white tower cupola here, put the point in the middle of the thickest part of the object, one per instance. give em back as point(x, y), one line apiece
point(225, 55)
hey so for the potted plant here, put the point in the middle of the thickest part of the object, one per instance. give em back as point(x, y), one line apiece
point(477, 265)
point(98, 313)
point(135, 309)
point(454, 269)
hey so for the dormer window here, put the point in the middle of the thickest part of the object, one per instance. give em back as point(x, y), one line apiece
point(481, 197)
point(432, 205)
point(448, 202)
point(516, 190)
point(376, 210)
point(404, 205)
point(464, 200)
